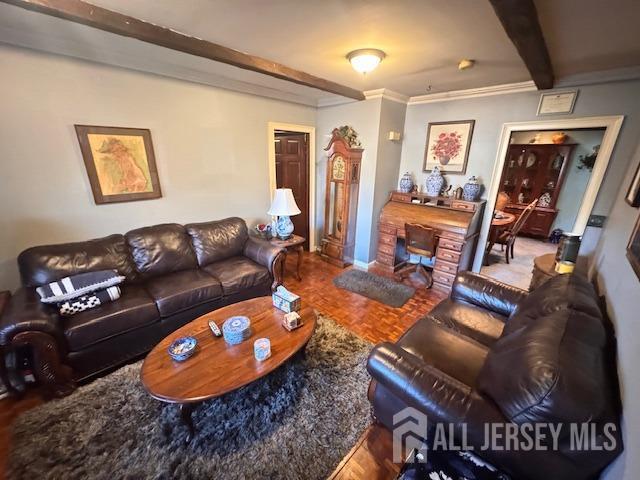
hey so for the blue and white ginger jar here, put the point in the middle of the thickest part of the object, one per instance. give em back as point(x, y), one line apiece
point(471, 190)
point(406, 183)
point(434, 183)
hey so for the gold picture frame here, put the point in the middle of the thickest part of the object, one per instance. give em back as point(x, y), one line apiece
point(448, 145)
point(120, 163)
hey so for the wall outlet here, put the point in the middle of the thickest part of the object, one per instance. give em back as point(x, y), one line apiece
point(596, 221)
point(395, 136)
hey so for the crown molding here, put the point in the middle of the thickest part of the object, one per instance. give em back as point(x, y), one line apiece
point(505, 89)
point(386, 93)
point(368, 95)
point(333, 101)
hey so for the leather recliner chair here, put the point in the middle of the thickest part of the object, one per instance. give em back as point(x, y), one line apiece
point(494, 354)
point(174, 274)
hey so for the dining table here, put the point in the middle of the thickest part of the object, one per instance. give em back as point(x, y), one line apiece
point(499, 224)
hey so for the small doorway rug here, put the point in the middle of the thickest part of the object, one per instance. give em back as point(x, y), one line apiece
point(382, 289)
point(296, 423)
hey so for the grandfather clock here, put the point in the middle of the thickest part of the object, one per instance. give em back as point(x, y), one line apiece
point(341, 202)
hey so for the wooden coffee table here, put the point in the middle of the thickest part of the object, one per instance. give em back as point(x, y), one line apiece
point(216, 367)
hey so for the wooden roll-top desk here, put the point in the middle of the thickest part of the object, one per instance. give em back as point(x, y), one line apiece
point(457, 224)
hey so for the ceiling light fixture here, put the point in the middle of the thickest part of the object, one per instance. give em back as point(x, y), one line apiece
point(365, 60)
point(466, 63)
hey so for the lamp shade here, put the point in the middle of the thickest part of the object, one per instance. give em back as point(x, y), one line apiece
point(283, 203)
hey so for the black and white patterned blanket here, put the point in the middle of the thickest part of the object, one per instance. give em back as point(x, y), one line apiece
point(85, 302)
point(78, 285)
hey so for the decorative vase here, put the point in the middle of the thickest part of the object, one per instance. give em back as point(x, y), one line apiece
point(434, 183)
point(471, 190)
point(284, 227)
point(545, 200)
point(558, 138)
point(406, 183)
point(444, 159)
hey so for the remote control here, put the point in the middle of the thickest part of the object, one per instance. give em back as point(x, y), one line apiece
point(215, 329)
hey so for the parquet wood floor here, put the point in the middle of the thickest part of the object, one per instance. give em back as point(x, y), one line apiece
point(371, 456)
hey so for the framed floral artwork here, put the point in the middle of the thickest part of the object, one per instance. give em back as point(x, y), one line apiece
point(448, 146)
point(120, 163)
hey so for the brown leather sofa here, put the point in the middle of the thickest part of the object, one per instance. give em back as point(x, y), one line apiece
point(494, 354)
point(174, 273)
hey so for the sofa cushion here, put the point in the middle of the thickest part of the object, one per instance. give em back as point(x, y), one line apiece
point(134, 309)
point(180, 291)
point(238, 273)
point(214, 241)
point(547, 372)
point(437, 346)
point(48, 263)
point(478, 323)
point(161, 249)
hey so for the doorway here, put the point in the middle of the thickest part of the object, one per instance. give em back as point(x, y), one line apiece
point(292, 171)
point(291, 162)
point(555, 166)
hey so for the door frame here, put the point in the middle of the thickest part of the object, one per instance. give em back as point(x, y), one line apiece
point(612, 125)
point(272, 127)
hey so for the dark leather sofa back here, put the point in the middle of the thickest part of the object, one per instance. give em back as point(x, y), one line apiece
point(213, 241)
point(48, 263)
point(551, 366)
point(161, 249)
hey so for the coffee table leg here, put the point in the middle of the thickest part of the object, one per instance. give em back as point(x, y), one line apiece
point(185, 416)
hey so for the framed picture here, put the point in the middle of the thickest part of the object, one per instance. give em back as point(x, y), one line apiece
point(633, 195)
point(448, 146)
point(557, 103)
point(633, 248)
point(120, 163)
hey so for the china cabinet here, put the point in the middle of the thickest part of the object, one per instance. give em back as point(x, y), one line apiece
point(535, 171)
point(341, 201)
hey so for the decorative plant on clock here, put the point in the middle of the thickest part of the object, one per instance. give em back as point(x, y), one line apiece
point(350, 135)
point(447, 146)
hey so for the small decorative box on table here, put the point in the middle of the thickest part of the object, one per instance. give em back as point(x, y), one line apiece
point(285, 300)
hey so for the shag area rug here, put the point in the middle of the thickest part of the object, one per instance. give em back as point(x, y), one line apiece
point(296, 423)
point(372, 286)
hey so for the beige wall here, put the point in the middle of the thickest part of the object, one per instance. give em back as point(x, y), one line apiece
point(210, 146)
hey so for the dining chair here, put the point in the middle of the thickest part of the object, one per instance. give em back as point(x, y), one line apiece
point(507, 238)
point(421, 241)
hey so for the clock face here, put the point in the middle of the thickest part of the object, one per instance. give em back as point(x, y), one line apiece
point(338, 168)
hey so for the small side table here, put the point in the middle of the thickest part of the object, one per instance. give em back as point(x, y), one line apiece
point(294, 243)
point(543, 270)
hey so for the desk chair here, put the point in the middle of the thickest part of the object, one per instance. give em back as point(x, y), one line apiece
point(421, 241)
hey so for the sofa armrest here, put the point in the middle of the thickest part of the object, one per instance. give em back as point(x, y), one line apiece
point(266, 254)
point(25, 313)
point(487, 293)
point(429, 389)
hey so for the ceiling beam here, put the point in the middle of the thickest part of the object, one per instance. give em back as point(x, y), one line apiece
point(97, 17)
point(520, 20)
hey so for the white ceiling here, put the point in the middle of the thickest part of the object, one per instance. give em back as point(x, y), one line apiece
point(424, 40)
point(590, 35)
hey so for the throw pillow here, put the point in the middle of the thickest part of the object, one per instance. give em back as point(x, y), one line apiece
point(87, 302)
point(78, 285)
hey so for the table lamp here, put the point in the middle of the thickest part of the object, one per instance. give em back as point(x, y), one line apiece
point(283, 206)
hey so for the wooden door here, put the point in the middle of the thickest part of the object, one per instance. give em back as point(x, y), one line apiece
point(292, 171)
